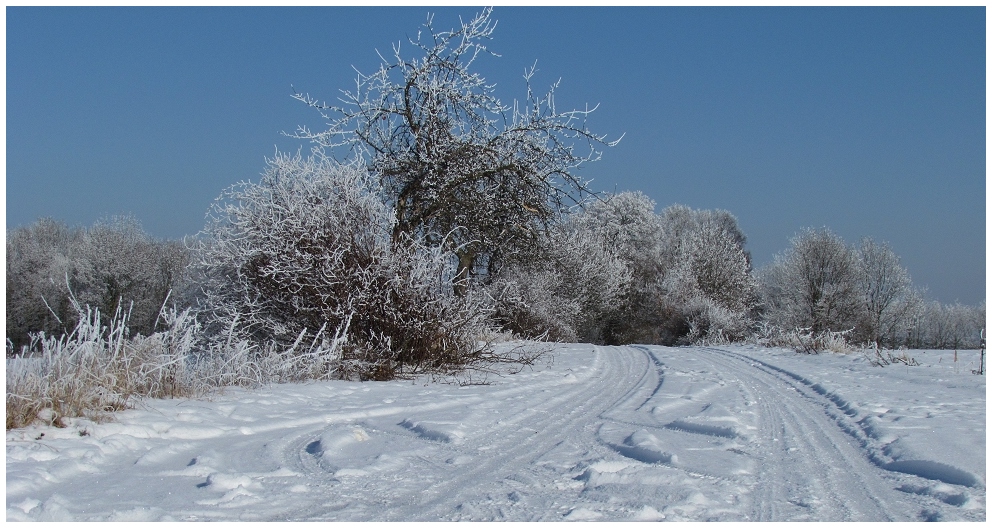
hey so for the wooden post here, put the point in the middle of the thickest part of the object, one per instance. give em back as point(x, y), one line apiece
point(981, 364)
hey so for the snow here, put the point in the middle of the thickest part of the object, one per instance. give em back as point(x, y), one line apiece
point(591, 433)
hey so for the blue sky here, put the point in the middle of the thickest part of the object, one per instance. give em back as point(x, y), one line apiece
point(868, 121)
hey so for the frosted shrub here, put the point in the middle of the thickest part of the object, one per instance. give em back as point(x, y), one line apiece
point(310, 250)
point(709, 322)
point(803, 340)
point(564, 290)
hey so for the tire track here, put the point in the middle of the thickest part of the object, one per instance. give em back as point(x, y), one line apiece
point(838, 479)
point(568, 419)
point(502, 455)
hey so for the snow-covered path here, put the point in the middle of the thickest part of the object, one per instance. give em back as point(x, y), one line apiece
point(610, 433)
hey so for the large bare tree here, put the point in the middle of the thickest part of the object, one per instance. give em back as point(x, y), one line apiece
point(459, 166)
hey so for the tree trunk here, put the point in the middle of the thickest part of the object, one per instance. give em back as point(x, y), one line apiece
point(466, 260)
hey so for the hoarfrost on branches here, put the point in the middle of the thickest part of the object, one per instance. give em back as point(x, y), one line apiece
point(460, 167)
point(308, 249)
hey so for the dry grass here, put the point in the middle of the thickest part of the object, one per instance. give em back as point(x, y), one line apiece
point(804, 340)
point(97, 369)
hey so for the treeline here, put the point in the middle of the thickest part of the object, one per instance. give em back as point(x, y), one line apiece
point(302, 276)
point(54, 270)
point(310, 247)
point(821, 285)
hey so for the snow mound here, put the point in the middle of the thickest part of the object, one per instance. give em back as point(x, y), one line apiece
point(929, 469)
point(648, 513)
point(582, 514)
point(226, 481)
point(645, 447)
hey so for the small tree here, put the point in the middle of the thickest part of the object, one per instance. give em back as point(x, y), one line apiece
point(459, 166)
point(886, 292)
point(813, 285)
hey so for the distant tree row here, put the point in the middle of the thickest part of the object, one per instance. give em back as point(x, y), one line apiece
point(53, 270)
point(616, 272)
point(821, 284)
point(310, 248)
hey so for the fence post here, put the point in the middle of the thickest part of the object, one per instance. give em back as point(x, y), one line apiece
point(981, 361)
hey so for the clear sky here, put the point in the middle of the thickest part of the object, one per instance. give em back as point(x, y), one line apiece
point(870, 121)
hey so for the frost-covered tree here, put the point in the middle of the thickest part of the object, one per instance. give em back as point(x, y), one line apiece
point(627, 226)
point(707, 277)
point(937, 325)
point(690, 275)
point(564, 288)
point(309, 251)
point(886, 293)
point(681, 224)
point(459, 166)
point(53, 271)
point(131, 269)
point(820, 285)
point(813, 285)
point(40, 258)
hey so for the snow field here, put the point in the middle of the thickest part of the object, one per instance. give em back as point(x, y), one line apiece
point(594, 433)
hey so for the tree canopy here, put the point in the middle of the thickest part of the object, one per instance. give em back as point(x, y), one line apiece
point(458, 165)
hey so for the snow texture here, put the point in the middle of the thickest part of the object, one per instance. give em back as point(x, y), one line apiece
point(599, 433)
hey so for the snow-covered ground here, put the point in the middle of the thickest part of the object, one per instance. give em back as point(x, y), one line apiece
point(592, 433)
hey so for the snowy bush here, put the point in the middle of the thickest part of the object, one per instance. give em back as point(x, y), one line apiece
point(310, 249)
point(801, 339)
point(563, 289)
